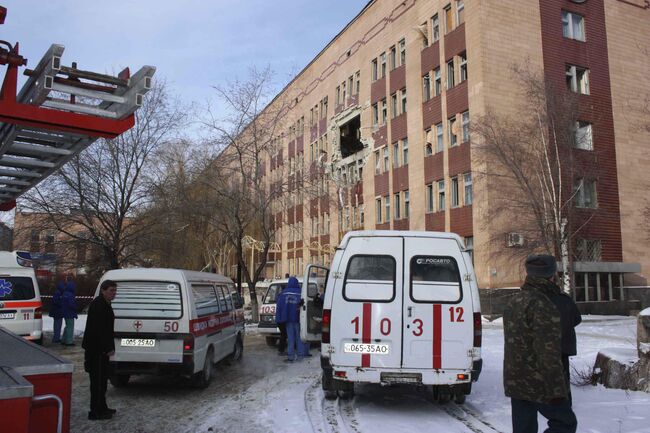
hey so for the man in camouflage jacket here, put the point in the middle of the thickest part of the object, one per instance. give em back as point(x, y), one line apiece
point(532, 372)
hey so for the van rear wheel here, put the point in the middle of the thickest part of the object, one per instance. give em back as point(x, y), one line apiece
point(203, 377)
point(327, 383)
point(238, 350)
point(120, 380)
point(271, 341)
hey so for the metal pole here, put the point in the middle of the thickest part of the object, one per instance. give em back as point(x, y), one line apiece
point(59, 403)
point(611, 289)
point(598, 294)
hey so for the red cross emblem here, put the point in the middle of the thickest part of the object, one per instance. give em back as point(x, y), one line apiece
point(137, 325)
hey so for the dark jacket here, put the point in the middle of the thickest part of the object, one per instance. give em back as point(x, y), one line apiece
point(69, 303)
point(288, 303)
point(98, 336)
point(55, 306)
point(569, 318)
point(532, 364)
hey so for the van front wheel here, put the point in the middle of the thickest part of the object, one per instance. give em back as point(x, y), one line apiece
point(238, 351)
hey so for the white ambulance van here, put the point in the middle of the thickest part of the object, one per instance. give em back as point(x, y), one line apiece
point(21, 311)
point(173, 321)
point(398, 307)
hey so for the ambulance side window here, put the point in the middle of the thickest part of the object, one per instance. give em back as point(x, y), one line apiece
point(222, 299)
point(370, 278)
point(228, 296)
point(435, 279)
point(205, 299)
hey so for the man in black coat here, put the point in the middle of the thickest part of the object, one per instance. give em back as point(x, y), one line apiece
point(569, 318)
point(99, 346)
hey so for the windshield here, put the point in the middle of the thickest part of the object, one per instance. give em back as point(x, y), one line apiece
point(16, 288)
point(273, 292)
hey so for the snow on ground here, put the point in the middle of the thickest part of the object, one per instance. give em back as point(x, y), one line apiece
point(288, 398)
point(292, 401)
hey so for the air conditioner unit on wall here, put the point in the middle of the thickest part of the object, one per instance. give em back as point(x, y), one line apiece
point(514, 240)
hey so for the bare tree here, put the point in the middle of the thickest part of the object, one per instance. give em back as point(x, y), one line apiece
point(247, 204)
point(535, 160)
point(97, 195)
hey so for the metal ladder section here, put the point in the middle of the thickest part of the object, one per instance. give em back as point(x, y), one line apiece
point(30, 153)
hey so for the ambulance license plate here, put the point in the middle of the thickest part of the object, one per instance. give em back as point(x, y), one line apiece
point(8, 315)
point(138, 342)
point(372, 349)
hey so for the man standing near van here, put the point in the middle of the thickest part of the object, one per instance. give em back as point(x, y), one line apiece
point(99, 346)
point(287, 312)
point(533, 374)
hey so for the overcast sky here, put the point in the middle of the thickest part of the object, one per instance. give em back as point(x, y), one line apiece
point(194, 44)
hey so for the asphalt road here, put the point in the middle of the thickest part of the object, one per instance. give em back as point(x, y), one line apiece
point(166, 404)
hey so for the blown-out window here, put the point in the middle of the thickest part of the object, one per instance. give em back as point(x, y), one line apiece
point(370, 278)
point(435, 279)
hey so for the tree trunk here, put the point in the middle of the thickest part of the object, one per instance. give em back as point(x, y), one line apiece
point(566, 272)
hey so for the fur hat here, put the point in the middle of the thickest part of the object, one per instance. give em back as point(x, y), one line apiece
point(542, 265)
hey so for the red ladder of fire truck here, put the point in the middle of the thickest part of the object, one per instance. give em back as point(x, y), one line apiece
point(58, 112)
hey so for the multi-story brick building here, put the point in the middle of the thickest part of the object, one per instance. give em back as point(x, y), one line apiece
point(388, 102)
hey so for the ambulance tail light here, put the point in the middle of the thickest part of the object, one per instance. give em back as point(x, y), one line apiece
point(478, 330)
point(38, 313)
point(188, 343)
point(327, 317)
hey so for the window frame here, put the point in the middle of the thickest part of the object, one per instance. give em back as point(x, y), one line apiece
point(347, 269)
point(458, 276)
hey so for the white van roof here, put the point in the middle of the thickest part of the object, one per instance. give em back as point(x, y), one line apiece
point(9, 259)
point(400, 233)
point(162, 274)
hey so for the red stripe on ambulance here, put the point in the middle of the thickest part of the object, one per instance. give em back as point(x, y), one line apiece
point(210, 324)
point(437, 336)
point(366, 332)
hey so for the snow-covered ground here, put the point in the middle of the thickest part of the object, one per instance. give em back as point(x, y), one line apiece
point(280, 397)
point(79, 325)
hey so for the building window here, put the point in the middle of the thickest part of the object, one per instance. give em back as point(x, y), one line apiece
point(395, 155)
point(383, 65)
point(430, 198)
point(437, 82)
point(323, 113)
point(469, 246)
point(337, 99)
point(386, 159)
point(435, 24)
point(453, 134)
point(392, 58)
point(577, 79)
point(583, 136)
point(440, 145)
point(449, 19)
point(375, 115)
point(405, 151)
point(441, 195)
point(573, 26)
point(35, 241)
point(387, 208)
point(450, 74)
point(589, 250)
point(397, 206)
point(584, 191)
point(407, 204)
point(377, 163)
point(428, 147)
point(402, 52)
point(463, 66)
point(465, 124)
point(373, 69)
point(393, 105)
point(357, 78)
point(455, 202)
point(425, 34)
point(384, 111)
point(426, 87)
point(49, 242)
point(403, 97)
point(467, 181)
point(378, 209)
point(460, 12)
